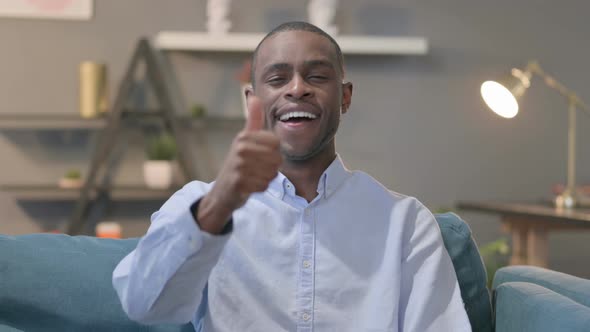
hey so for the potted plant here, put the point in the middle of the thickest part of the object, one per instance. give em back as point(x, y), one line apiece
point(158, 168)
point(72, 179)
point(495, 256)
point(198, 111)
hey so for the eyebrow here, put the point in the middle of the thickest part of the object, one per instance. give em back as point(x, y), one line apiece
point(275, 66)
point(319, 63)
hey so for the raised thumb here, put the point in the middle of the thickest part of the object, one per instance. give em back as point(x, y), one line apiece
point(255, 120)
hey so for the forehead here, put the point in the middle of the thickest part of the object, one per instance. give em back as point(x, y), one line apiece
point(294, 47)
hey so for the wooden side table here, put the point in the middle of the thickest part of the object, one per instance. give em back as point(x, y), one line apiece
point(529, 225)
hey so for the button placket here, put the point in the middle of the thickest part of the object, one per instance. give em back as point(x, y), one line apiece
point(306, 275)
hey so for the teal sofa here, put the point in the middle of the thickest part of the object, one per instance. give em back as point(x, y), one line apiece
point(51, 282)
point(530, 298)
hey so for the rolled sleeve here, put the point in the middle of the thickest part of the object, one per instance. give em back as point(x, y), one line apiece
point(163, 279)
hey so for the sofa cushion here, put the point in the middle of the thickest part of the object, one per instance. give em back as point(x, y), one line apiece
point(6, 328)
point(51, 282)
point(470, 270)
point(527, 307)
point(575, 288)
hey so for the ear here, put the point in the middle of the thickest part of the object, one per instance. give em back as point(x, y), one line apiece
point(346, 96)
point(248, 91)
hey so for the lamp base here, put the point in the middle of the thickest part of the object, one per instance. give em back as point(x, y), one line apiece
point(567, 200)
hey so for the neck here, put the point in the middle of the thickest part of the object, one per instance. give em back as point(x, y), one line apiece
point(305, 174)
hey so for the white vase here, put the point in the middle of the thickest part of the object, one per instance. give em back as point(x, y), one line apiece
point(243, 88)
point(157, 174)
point(321, 13)
point(218, 22)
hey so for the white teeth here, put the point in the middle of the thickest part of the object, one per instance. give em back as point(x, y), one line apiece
point(290, 115)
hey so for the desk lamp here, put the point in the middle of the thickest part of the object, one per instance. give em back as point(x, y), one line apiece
point(502, 98)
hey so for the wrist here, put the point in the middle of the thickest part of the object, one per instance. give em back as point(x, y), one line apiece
point(211, 214)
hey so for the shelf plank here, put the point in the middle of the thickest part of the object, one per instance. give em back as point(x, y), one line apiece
point(49, 121)
point(54, 193)
point(73, 122)
point(247, 42)
point(215, 123)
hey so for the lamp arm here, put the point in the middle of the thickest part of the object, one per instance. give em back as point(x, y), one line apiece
point(572, 97)
point(568, 197)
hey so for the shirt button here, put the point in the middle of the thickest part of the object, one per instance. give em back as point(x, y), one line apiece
point(306, 264)
point(305, 316)
point(192, 243)
point(307, 212)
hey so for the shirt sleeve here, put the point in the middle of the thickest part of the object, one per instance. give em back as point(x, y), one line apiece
point(430, 295)
point(163, 279)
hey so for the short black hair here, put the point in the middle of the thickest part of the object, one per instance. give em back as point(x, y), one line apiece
point(297, 26)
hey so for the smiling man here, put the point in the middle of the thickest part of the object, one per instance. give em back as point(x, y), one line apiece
point(287, 238)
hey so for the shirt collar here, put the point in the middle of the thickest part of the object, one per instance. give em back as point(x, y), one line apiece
point(277, 186)
point(330, 180)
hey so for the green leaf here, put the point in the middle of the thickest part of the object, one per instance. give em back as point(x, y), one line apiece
point(162, 147)
point(73, 174)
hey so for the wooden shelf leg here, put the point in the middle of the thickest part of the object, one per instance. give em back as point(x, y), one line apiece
point(538, 246)
point(518, 232)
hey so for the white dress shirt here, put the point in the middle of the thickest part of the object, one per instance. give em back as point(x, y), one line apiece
point(357, 258)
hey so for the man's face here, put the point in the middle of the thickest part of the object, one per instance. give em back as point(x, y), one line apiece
point(299, 82)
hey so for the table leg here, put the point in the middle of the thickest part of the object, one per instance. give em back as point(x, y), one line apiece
point(538, 246)
point(518, 231)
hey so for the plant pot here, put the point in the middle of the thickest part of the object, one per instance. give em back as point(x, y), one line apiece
point(157, 174)
point(68, 183)
point(108, 229)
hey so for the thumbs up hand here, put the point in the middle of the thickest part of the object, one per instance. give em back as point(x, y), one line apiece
point(255, 120)
point(251, 164)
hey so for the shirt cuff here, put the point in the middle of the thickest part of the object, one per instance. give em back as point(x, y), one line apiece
point(194, 238)
point(228, 228)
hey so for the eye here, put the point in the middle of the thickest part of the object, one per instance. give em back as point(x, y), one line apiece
point(318, 78)
point(275, 80)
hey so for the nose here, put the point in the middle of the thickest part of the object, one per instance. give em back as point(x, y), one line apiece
point(298, 88)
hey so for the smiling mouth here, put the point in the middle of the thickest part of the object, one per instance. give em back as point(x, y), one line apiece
point(297, 117)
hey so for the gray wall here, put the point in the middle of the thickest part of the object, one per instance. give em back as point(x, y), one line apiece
point(417, 124)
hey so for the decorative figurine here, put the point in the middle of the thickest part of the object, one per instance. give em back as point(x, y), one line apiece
point(321, 13)
point(217, 16)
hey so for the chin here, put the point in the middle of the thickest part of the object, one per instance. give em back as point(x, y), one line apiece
point(299, 155)
point(296, 154)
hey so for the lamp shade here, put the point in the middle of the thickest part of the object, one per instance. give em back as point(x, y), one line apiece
point(502, 96)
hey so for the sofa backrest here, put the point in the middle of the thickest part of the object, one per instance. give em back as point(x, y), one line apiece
point(51, 282)
point(471, 272)
point(63, 283)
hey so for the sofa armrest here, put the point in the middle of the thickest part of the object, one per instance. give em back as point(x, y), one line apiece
point(575, 288)
point(6, 328)
point(524, 307)
point(470, 270)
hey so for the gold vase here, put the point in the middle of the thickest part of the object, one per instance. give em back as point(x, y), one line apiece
point(93, 89)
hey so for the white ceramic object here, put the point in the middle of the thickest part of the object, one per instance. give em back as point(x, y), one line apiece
point(158, 174)
point(321, 13)
point(243, 89)
point(217, 16)
point(108, 229)
point(67, 183)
